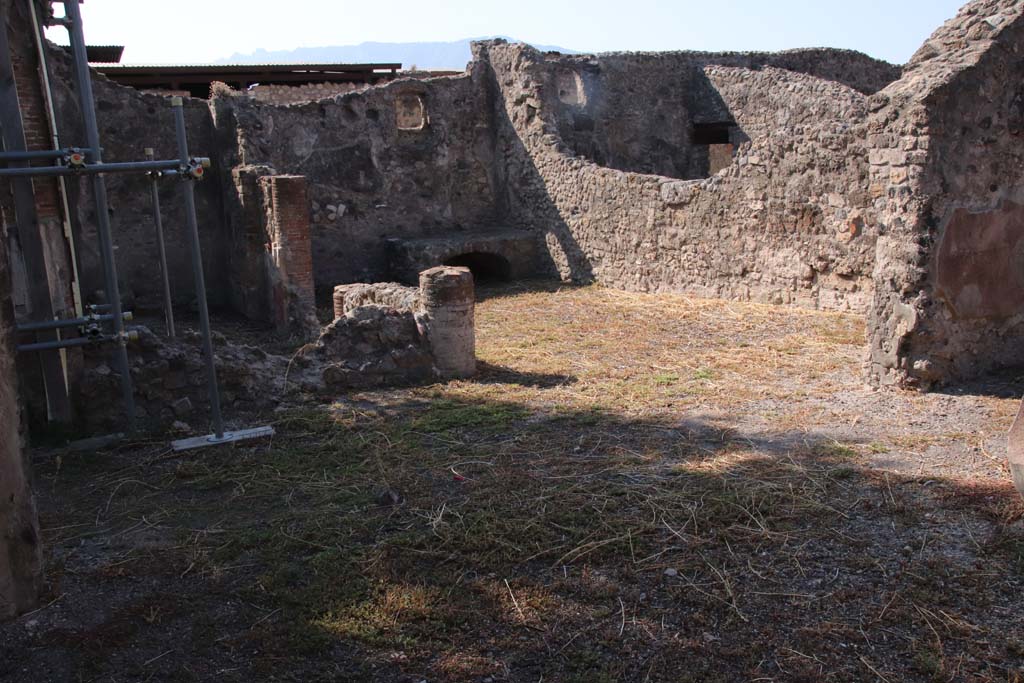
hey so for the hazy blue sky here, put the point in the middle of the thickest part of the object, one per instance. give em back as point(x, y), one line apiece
point(197, 31)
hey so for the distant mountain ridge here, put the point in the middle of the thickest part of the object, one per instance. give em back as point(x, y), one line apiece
point(427, 55)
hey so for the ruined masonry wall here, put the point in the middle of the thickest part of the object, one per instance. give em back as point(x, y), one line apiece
point(948, 169)
point(129, 122)
point(389, 294)
point(296, 94)
point(785, 223)
point(20, 550)
point(369, 179)
point(635, 111)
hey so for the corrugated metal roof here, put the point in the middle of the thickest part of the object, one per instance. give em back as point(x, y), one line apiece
point(249, 68)
point(101, 54)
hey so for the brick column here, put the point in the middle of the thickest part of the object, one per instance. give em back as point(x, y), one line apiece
point(290, 265)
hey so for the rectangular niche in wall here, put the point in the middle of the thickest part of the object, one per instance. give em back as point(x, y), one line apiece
point(410, 112)
point(713, 146)
point(571, 90)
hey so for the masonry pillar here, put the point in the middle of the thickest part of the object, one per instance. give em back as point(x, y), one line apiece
point(290, 264)
point(248, 251)
point(447, 302)
point(20, 550)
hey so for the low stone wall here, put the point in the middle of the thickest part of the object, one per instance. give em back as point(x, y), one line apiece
point(519, 251)
point(387, 294)
point(426, 335)
point(369, 346)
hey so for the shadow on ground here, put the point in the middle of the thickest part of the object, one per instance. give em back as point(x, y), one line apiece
point(443, 539)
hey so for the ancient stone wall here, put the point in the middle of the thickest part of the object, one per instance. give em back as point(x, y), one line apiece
point(388, 294)
point(785, 223)
point(947, 164)
point(646, 112)
point(373, 171)
point(809, 177)
point(297, 94)
point(384, 334)
point(129, 122)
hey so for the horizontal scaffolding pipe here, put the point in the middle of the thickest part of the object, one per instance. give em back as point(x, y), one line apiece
point(98, 308)
point(93, 169)
point(72, 322)
point(65, 343)
point(40, 154)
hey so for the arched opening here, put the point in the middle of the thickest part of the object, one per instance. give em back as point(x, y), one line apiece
point(485, 267)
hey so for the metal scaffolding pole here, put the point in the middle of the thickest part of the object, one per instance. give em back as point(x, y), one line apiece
point(72, 322)
point(195, 250)
point(95, 168)
point(83, 83)
point(219, 436)
point(65, 343)
point(39, 154)
point(158, 221)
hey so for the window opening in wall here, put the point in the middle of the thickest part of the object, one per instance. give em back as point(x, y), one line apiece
point(410, 112)
point(485, 267)
point(711, 133)
point(713, 148)
point(570, 89)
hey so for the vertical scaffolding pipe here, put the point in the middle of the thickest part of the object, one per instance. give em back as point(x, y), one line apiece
point(158, 221)
point(197, 267)
point(83, 83)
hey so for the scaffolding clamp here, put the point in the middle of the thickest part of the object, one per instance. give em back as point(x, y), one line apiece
point(195, 169)
point(129, 336)
point(75, 158)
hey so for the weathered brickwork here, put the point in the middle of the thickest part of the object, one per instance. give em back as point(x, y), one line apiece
point(36, 124)
point(290, 265)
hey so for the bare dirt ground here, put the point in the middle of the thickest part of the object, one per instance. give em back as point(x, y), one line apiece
point(635, 488)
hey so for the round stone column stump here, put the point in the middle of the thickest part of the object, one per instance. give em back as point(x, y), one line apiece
point(447, 300)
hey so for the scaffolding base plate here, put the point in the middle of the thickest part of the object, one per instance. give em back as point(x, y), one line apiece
point(229, 437)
